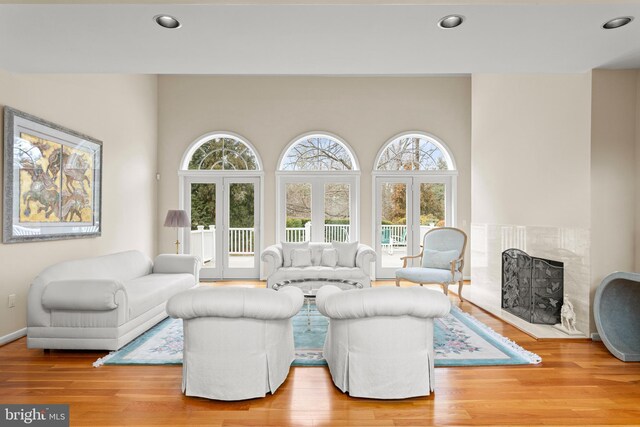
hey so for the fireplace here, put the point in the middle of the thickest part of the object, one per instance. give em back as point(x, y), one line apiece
point(532, 288)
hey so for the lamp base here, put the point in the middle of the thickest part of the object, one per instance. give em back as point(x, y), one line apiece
point(177, 247)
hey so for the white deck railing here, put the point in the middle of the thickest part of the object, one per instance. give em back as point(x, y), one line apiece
point(295, 234)
point(336, 232)
point(203, 242)
point(241, 241)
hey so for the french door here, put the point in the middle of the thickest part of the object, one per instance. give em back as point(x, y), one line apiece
point(317, 207)
point(406, 208)
point(225, 225)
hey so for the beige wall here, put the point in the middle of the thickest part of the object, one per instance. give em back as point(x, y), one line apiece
point(121, 111)
point(531, 146)
point(613, 173)
point(271, 111)
point(531, 149)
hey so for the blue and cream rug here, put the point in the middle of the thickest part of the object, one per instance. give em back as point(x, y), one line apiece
point(460, 340)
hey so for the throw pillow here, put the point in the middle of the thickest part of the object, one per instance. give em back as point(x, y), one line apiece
point(301, 258)
point(346, 253)
point(439, 259)
point(329, 257)
point(288, 247)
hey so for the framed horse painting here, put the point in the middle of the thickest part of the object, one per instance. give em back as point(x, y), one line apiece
point(52, 181)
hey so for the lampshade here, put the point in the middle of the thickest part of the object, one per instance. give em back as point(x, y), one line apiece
point(177, 218)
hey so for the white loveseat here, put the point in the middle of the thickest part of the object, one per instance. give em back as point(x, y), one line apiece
point(102, 303)
point(380, 340)
point(275, 271)
point(238, 342)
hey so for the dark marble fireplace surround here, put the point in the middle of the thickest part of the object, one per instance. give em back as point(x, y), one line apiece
point(532, 288)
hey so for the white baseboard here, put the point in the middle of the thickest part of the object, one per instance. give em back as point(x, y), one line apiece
point(13, 336)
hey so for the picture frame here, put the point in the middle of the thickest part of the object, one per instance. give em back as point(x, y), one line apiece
point(52, 181)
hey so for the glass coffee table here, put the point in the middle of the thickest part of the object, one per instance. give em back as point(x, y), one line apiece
point(309, 288)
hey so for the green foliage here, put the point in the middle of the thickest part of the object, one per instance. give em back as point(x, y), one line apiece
point(223, 154)
point(203, 205)
point(297, 222)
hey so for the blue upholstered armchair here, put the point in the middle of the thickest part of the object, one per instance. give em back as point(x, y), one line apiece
point(441, 260)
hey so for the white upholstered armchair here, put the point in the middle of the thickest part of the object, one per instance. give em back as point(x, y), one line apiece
point(380, 340)
point(238, 342)
point(441, 260)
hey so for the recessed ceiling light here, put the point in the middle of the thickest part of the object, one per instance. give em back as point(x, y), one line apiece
point(617, 22)
point(167, 21)
point(450, 21)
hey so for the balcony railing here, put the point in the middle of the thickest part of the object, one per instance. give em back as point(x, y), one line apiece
point(242, 240)
point(202, 242)
point(332, 233)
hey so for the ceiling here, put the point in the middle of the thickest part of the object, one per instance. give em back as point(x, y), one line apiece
point(317, 39)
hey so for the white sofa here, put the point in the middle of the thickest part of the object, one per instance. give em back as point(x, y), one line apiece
point(275, 271)
point(238, 342)
point(102, 303)
point(380, 340)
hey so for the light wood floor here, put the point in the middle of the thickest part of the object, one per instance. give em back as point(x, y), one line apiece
point(578, 383)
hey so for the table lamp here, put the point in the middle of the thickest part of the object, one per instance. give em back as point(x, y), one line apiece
point(177, 219)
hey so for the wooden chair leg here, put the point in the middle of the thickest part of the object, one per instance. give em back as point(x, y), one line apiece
point(397, 281)
point(421, 284)
point(445, 288)
point(460, 283)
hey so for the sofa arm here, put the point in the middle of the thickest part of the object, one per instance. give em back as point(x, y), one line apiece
point(321, 297)
point(175, 264)
point(236, 302)
point(85, 294)
point(272, 257)
point(364, 257)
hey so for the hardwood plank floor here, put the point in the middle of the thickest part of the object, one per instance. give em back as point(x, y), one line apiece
point(578, 383)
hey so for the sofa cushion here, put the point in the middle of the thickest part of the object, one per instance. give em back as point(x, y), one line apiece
point(428, 275)
point(439, 259)
point(87, 294)
point(287, 249)
point(329, 257)
point(301, 258)
point(146, 292)
point(346, 253)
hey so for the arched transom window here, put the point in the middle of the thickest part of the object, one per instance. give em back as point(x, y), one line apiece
point(318, 153)
point(318, 187)
point(414, 152)
point(223, 153)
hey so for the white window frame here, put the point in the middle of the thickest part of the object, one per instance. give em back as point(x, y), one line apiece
point(186, 175)
point(318, 179)
point(448, 177)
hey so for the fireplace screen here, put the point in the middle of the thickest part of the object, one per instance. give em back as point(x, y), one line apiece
point(532, 288)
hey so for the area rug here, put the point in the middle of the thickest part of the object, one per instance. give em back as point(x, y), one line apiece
point(460, 340)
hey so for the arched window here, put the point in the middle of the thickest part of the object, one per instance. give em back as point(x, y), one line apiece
point(221, 152)
point(415, 180)
point(317, 153)
point(414, 152)
point(313, 204)
point(221, 180)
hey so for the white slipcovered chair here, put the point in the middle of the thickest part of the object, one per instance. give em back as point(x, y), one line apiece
point(238, 342)
point(441, 260)
point(380, 340)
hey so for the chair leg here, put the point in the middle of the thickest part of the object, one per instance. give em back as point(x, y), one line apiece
point(445, 288)
point(421, 284)
point(460, 283)
point(397, 282)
